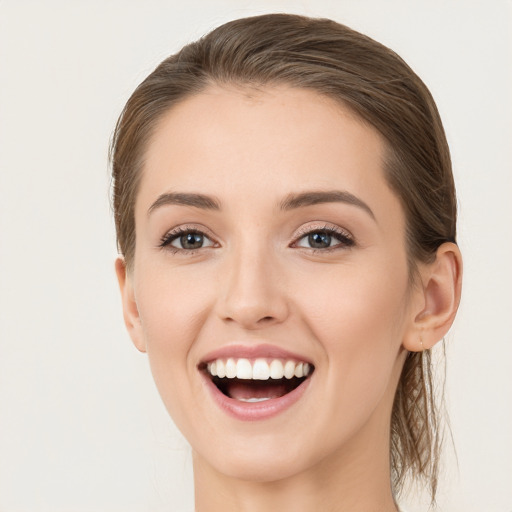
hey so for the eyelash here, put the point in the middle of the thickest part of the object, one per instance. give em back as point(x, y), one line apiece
point(345, 239)
point(169, 237)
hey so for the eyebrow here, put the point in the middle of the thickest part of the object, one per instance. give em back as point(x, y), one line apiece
point(185, 199)
point(319, 197)
point(291, 202)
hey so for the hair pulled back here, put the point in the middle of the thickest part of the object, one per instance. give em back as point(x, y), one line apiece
point(376, 84)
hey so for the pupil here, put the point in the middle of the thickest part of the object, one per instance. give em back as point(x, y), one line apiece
point(191, 241)
point(319, 240)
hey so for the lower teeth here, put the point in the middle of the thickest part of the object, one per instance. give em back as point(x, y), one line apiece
point(252, 399)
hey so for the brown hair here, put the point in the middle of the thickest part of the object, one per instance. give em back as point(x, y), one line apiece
point(374, 82)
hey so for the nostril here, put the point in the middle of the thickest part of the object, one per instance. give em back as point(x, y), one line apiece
point(251, 323)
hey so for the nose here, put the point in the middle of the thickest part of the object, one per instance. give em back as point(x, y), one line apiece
point(253, 292)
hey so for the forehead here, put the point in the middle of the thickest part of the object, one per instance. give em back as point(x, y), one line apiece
point(239, 141)
point(236, 114)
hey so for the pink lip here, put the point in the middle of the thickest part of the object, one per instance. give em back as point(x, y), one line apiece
point(247, 411)
point(253, 352)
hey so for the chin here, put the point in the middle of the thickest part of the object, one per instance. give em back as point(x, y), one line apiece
point(262, 458)
point(253, 467)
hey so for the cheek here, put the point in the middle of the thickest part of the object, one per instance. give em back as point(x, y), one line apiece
point(172, 311)
point(354, 304)
point(168, 313)
point(172, 302)
point(358, 318)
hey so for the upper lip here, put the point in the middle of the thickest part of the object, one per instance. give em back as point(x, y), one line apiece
point(253, 352)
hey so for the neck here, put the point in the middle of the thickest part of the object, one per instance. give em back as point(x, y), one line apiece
point(357, 479)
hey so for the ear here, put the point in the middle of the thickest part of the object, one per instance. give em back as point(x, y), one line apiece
point(436, 299)
point(130, 310)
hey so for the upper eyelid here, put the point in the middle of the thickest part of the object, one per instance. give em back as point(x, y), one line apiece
point(186, 228)
point(323, 226)
point(175, 232)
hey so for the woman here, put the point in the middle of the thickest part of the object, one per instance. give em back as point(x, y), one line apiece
point(285, 213)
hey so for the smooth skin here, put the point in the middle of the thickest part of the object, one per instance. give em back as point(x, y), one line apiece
point(254, 277)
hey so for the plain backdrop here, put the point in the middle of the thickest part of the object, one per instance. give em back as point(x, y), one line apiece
point(82, 428)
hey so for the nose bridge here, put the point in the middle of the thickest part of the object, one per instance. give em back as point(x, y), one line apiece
point(253, 294)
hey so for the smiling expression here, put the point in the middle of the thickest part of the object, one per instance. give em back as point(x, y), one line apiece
point(266, 234)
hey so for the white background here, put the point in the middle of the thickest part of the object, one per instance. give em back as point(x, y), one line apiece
point(81, 425)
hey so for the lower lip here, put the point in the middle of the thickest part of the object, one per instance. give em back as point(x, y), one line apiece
point(254, 411)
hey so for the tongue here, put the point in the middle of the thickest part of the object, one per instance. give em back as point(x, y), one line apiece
point(243, 390)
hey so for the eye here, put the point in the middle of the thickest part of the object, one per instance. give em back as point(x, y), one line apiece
point(325, 238)
point(185, 240)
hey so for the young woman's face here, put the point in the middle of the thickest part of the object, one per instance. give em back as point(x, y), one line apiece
point(269, 244)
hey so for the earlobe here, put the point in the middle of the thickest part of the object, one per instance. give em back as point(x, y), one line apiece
point(130, 310)
point(438, 299)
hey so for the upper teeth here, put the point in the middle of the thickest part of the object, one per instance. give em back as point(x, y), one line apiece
point(259, 369)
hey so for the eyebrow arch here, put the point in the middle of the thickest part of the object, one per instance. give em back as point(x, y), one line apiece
point(185, 199)
point(293, 201)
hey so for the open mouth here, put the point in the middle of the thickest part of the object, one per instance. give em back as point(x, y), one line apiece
point(257, 380)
